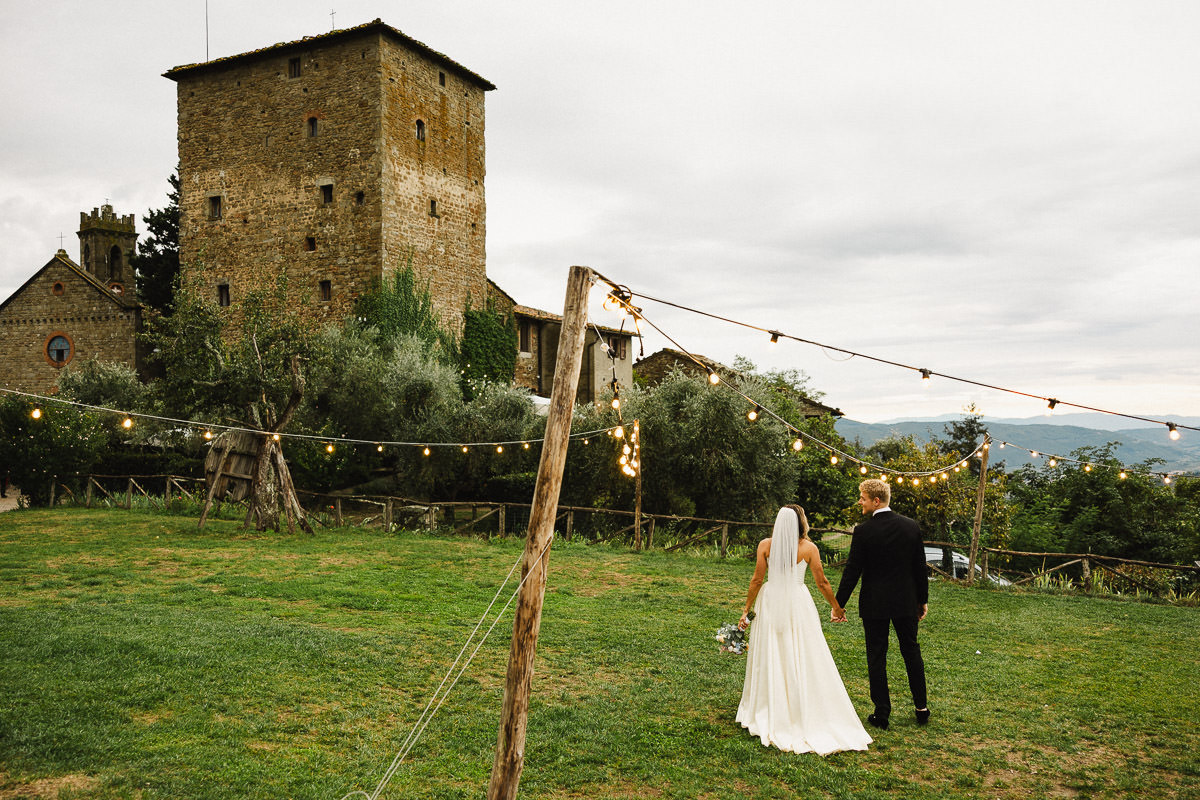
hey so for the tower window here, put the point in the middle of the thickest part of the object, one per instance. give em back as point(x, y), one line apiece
point(59, 349)
point(358, 198)
point(222, 294)
point(441, 79)
point(312, 127)
point(420, 130)
point(327, 193)
point(310, 243)
point(293, 67)
point(326, 291)
point(58, 290)
point(214, 207)
point(433, 212)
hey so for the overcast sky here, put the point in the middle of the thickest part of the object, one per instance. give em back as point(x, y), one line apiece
point(1006, 192)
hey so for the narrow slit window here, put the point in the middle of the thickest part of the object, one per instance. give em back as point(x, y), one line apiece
point(312, 127)
point(310, 243)
point(293, 67)
point(420, 130)
point(441, 79)
point(327, 193)
point(326, 291)
point(358, 198)
point(222, 294)
point(526, 336)
point(214, 207)
point(433, 212)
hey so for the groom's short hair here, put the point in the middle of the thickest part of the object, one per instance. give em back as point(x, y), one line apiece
point(876, 490)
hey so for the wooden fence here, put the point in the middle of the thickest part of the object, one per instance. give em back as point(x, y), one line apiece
point(593, 525)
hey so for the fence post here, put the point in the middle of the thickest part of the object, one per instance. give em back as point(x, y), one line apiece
point(88, 494)
point(978, 510)
point(502, 507)
point(129, 495)
point(1086, 573)
point(52, 503)
point(650, 535)
point(337, 511)
point(570, 524)
point(387, 516)
point(431, 518)
point(985, 564)
point(724, 538)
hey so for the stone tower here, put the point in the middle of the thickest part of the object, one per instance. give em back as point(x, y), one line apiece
point(332, 161)
point(106, 243)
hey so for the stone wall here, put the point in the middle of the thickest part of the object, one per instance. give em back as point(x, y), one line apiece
point(59, 301)
point(303, 160)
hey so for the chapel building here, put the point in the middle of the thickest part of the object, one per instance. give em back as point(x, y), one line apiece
point(69, 312)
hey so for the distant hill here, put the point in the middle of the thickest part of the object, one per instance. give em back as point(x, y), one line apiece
point(1046, 435)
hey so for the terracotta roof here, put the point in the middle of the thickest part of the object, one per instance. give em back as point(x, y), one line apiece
point(175, 73)
point(537, 313)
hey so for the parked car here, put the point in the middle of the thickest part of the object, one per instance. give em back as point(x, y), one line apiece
point(933, 557)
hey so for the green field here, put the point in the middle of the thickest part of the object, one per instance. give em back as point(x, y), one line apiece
point(145, 659)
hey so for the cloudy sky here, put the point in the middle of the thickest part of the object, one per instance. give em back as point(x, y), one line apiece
point(1006, 192)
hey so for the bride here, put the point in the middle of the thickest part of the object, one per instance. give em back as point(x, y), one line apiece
point(793, 697)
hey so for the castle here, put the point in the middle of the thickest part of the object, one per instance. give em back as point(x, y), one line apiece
point(329, 162)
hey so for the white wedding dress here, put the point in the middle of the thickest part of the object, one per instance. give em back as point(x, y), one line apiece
point(794, 697)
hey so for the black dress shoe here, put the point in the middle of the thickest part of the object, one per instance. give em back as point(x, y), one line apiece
point(922, 717)
point(877, 722)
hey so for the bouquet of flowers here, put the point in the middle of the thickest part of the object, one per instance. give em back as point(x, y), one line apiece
point(733, 638)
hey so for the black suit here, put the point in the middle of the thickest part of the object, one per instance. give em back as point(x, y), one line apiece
point(887, 552)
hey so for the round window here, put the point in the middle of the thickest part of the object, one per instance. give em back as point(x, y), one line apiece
point(59, 349)
point(58, 288)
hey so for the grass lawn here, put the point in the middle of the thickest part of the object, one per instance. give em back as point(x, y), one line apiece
point(142, 658)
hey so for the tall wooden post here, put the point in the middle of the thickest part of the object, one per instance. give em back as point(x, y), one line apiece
point(987, 440)
point(510, 745)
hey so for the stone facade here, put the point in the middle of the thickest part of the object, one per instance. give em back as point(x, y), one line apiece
point(333, 160)
point(537, 355)
point(106, 243)
point(63, 315)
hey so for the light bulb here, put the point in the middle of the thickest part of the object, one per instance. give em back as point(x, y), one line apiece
point(863, 470)
point(499, 448)
point(713, 378)
point(525, 445)
point(1172, 431)
point(616, 403)
point(464, 448)
point(127, 423)
point(1050, 406)
point(329, 448)
point(925, 378)
point(1166, 478)
point(626, 450)
point(1033, 453)
point(1123, 476)
point(753, 414)
point(275, 436)
point(1087, 467)
point(1053, 463)
point(945, 476)
point(797, 445)
point(379, 448)
point(208, 434)
point(36, 413)
point(619, 432)
point(774, 337)
point(585, 441)
point(833, 459)
point(426, 451)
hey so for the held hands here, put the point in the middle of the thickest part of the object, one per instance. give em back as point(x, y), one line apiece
point(837, 613)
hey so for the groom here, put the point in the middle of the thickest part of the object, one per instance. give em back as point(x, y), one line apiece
point(887, 552)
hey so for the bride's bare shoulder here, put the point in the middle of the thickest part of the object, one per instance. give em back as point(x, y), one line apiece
point(764, 546)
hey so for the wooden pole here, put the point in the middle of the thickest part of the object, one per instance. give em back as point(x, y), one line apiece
point(337, 511)
point(510, 744)
point(978, 510)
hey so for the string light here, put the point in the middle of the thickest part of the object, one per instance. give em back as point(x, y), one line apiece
point(127, 423)
point(1172, 431)
point(208, 435)
point(525, 445)
point(36, 413)
point(925, 378)
point(833, 460)
point(1087, 467)
point(1050, 406)
point(1053, 463)
point(863, 469)
point(329, 448)
point(1123, 476)
point(616, 403)
point(379, 448)
point(1167, 479)
point(752, 414)
point(713, 377)
point(797, 445)
point(774, 337)
point(465, 448)
point(426, 451)
point(499, 448)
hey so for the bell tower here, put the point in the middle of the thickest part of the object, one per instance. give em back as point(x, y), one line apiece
point(106, 243)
